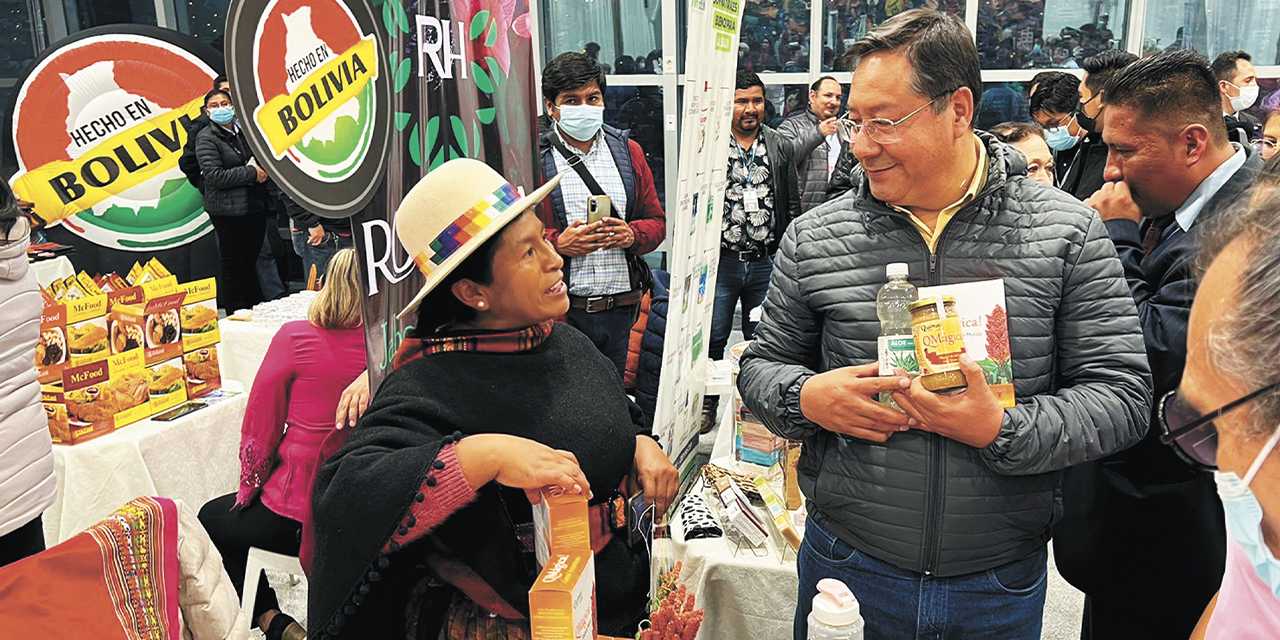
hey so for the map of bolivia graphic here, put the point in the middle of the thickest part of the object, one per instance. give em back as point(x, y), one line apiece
point(98, 126)
point(315, 73)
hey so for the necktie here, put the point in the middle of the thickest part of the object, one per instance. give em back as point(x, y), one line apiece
point(1155, 230)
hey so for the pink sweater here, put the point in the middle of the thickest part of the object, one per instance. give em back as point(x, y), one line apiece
point(291, 408)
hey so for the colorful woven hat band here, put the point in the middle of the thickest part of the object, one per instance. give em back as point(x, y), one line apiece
point(464, 228)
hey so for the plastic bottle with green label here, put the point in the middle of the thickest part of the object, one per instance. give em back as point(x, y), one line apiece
point(897, 348)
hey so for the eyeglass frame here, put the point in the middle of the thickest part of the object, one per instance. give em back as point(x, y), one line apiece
point(1170, 437)
point(850, 128)
point(1263, 142)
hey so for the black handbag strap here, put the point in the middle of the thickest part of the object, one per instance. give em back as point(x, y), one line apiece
point(577, 163)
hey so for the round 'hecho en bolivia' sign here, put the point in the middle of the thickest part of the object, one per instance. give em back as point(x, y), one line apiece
point(308, 74)
point(98, 126)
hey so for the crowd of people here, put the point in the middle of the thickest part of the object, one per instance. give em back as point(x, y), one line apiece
point(1131, 215)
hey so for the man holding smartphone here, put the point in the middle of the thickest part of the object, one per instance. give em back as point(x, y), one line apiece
point(606, 214)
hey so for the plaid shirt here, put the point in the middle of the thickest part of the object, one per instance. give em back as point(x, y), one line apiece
point(739, 230)
point(604, 272)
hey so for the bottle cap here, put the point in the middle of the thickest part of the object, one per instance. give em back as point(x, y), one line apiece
point(835, 605)
point(897, 269)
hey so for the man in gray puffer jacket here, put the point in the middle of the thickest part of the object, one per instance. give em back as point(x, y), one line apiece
point(938, 518)
point(815, 144)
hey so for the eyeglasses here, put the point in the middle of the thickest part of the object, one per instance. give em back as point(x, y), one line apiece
point(1060, 122)
point(1194, 436)
point(881, 130)
point(1263, 143)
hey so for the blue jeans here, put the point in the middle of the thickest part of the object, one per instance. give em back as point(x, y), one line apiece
point(1005, 603)
point(609, 330)
point(268, 272)
point(320, 254)
point(737, 280)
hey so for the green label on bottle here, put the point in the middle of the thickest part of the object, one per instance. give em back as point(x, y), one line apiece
point(897, 352)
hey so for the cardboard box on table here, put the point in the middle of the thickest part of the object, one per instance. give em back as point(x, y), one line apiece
point(562, 602)
point(200, 337)
point(97, 398)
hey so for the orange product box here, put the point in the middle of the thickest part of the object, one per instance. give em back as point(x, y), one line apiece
point(155, 322)
point(202, 371)
point(97, 398)
point(51, 349)
point(562, 602)
point(199, 317)
point(166, 385)
point(86, 330)
point(560, 524)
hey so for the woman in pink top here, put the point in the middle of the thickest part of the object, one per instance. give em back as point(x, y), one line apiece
point(1226, 416)
point(291, 409)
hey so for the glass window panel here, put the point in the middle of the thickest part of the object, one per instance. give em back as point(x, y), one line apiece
point(1047, 34)
point(844, 21)
point(17, 49)
point(775, 36)
point(1002, 102)
point(639, 109)
point(783, 101)
point(1214, 26)
point(624, 35)
point(84, 14)
point(204, 19)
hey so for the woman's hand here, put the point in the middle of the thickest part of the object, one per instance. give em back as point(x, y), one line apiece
point(657, 475)
point(519, 463)
point(354, 400)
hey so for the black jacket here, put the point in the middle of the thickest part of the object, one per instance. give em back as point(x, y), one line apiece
point(231, 187)
point(1084, 176)
point(649, 370)
point(188, 162)
point(1128, 516)
point(809, 150)
point(784, 183)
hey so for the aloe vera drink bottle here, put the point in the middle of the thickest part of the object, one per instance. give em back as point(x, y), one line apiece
point(896, 346)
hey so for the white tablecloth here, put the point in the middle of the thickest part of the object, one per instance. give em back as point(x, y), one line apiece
point(244, 344)
point(750, 596)
point(54, 269)
point(745, 595)
point(194, 459)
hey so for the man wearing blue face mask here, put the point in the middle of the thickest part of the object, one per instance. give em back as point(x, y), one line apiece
point(1051, 106)
point(1083, 176)
point(606, 213)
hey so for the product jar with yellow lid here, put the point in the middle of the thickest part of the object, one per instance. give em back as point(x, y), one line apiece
point(935, 324)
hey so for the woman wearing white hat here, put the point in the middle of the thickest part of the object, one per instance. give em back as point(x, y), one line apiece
point(422, 519)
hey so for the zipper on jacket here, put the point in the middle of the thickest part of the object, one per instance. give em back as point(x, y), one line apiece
point(935, 492)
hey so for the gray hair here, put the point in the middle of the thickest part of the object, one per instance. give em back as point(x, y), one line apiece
point(1244, 343)
point(939, 47)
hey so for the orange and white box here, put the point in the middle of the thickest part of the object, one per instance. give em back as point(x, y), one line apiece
point(562, 602)
point(560, 524)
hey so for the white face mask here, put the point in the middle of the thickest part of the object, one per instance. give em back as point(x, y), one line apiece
point(1248, 95)
point(1244, 517)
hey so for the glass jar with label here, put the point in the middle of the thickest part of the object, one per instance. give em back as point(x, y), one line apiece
point(939, 339)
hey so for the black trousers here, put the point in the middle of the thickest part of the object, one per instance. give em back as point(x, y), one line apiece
point(24, 541)
point(239, 243)
point(233, 531)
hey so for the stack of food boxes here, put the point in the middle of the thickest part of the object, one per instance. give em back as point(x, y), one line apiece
point(111, 351)
point(562, 602)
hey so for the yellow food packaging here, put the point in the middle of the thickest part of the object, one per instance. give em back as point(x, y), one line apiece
point(562, 602)
point(560, 524)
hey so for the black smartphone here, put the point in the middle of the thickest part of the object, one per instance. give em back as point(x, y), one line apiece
point(179, 411)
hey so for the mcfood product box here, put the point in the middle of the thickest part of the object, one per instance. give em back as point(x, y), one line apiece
point(562, 602)
point(199, 317)
point(97, 398)
point(203, 373)
point(560, 524)
point(86, 330)
point(166, 385)
point(155, 323)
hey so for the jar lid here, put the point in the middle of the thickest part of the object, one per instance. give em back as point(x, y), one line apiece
point(929, 302)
